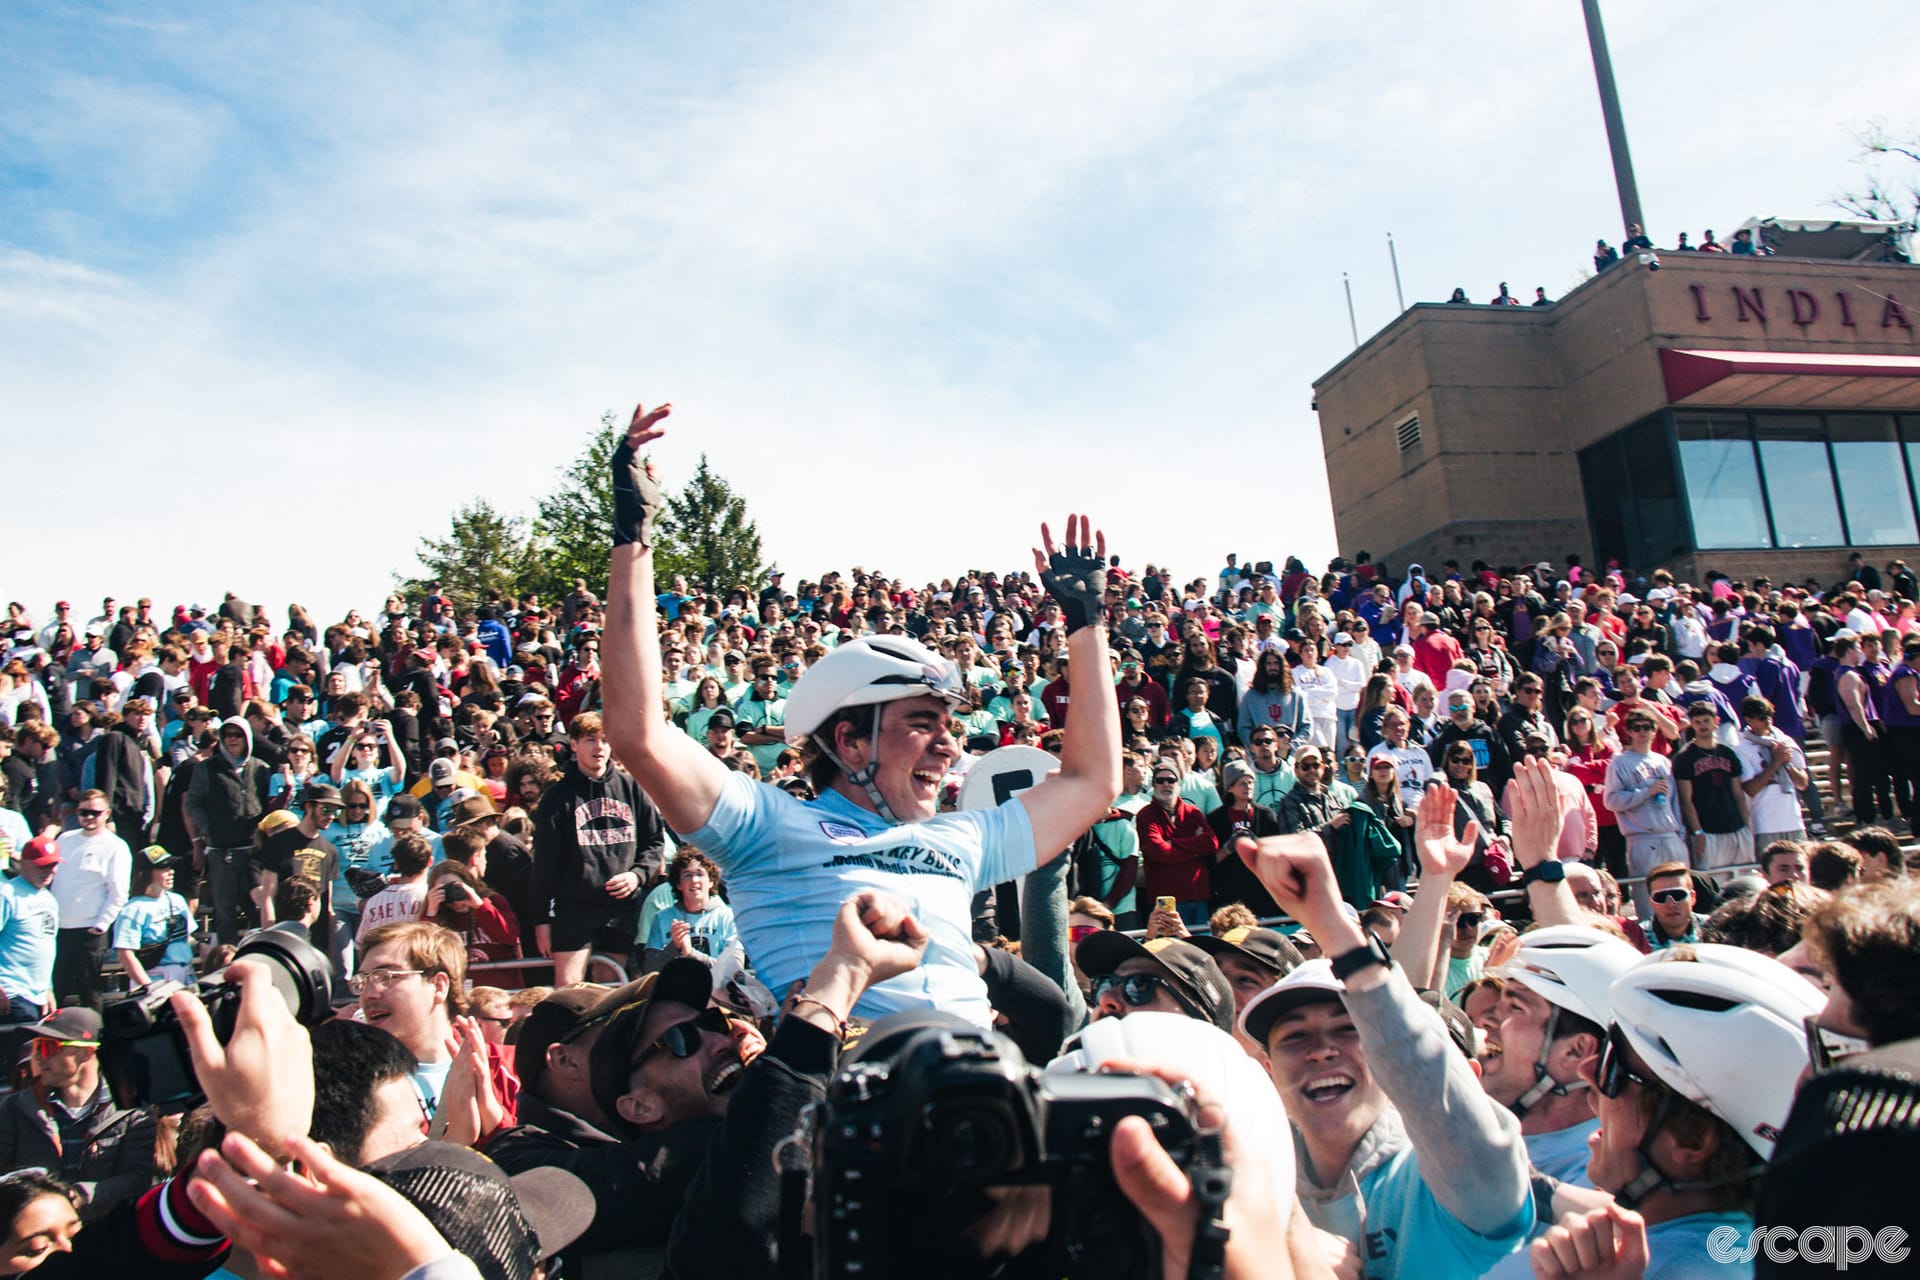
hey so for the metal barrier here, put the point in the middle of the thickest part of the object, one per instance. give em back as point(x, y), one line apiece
point(610, 971)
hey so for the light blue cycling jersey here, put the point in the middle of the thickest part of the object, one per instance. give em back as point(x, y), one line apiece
point(1562, 1154)
point(790, 864)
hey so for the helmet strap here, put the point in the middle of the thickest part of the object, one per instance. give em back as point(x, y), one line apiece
point(1650, 1179)
point(863, 777)
point(1545, 1085)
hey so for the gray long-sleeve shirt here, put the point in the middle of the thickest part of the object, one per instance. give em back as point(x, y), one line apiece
point(1439, 1187)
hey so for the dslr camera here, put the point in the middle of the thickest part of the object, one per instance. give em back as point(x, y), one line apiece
point(928, 1111)
point(143, 1050)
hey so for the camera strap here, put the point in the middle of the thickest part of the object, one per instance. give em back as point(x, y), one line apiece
point(790, 1160)
point(1212, 1184)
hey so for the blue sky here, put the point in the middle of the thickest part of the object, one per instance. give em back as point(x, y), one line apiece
point(281, 286)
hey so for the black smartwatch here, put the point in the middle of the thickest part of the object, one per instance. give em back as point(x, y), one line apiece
point(1361, 957)
point(1549, 872)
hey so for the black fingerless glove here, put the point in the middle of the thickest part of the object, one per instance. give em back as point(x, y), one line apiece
point(1077, 579)
point(637, 500)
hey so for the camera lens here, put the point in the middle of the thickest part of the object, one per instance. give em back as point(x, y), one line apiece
point(301, 972)
point(973, 1142)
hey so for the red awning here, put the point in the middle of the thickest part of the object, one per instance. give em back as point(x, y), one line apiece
point(1791, 379)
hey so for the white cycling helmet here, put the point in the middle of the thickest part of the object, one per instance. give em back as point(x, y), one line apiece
point(869, 672)
point(1571, 967)
point(1726, 1030)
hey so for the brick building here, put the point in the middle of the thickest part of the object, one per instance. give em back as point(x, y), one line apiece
point(1752, 415)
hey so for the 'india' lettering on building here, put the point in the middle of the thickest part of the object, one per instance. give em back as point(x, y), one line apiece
point(1804, 307)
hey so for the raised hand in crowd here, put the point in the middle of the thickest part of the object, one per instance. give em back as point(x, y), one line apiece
point(1541, 807)
point(260, 1083)
point(327, 1222)
point(1424, 933)
point(470, 1108)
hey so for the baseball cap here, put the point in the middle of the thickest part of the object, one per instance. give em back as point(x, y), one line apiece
point(42, 851)
point(1394, 900)
point(506, 1225)
point(321, 793)
point(1267, 948)
point(1311, 982)
point(1403, 648)
point(721, 715)
point(1192, 970)
point(545, 1025)
point(684, 982)
point(1341, 637)
point(1460, 1028)
point(75, 1024)
point(404, 806)
point(446, 747)
point(152, 858)
point(441, 772)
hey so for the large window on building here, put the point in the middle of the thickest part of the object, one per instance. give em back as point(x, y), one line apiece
point(1873, 482)
point(1722, 481)
point(1793, 456)
point(1787, 480)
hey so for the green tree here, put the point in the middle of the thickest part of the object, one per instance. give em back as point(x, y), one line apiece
point(573, 529)
point(483, 551)
point(707, 535)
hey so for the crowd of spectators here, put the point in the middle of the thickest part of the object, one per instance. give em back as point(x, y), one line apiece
point(1514, 884)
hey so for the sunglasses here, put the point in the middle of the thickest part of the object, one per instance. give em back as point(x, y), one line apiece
point(1669, 895)
point(1612, 1071)
point(1137, 989)
point(682, 1040)
point(1081, 932)
point(44, 1048)
point(1304, 765)
point(91, 813)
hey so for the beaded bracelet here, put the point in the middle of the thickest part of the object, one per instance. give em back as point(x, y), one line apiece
point(839, 1023)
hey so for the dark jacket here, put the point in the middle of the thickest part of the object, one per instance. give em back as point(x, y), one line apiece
point(729, 1226)
point(120, 769)
point(225, 800)
point(113, 1162)
point(625, 831)
point(638, 1186)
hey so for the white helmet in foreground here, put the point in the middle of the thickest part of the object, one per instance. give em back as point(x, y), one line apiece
point(1726, 1030)
point(1572, 967)
point(869, 672)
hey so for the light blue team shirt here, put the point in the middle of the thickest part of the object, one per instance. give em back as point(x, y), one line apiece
point(358, 843)
point(790, 864)
point(29, 924)
point(1562, 1154)
point(1403, 1231)
point(712, 929)
point(378, 781)
point(143, 922)
point(659, 900)
point(749, 714)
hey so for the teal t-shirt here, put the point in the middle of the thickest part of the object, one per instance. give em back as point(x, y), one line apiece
point(759, 715)
point(144, 921)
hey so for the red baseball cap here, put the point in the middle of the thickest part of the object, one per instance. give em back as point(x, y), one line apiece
point(41, 852)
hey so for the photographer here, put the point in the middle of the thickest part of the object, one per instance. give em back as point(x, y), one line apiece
point(729, 1226)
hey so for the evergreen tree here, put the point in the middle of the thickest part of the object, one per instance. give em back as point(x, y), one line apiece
point(483, 551)
point(708, 537)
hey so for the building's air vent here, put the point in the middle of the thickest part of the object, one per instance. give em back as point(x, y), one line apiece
point(1408, 432)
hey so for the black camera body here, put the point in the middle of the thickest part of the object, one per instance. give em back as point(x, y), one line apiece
point(143, 1049)
point(927, 1114)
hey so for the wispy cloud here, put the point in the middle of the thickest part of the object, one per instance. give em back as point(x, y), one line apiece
point(915, 276)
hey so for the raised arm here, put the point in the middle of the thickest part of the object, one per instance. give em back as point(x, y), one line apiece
point(1540, 810)
point(682, 779)
point(1443, 856)
point(1072, 800)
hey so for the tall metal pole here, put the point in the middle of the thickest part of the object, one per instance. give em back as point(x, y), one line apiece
point(1352, 323)
point(1398, 295)
point(1610, 110)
